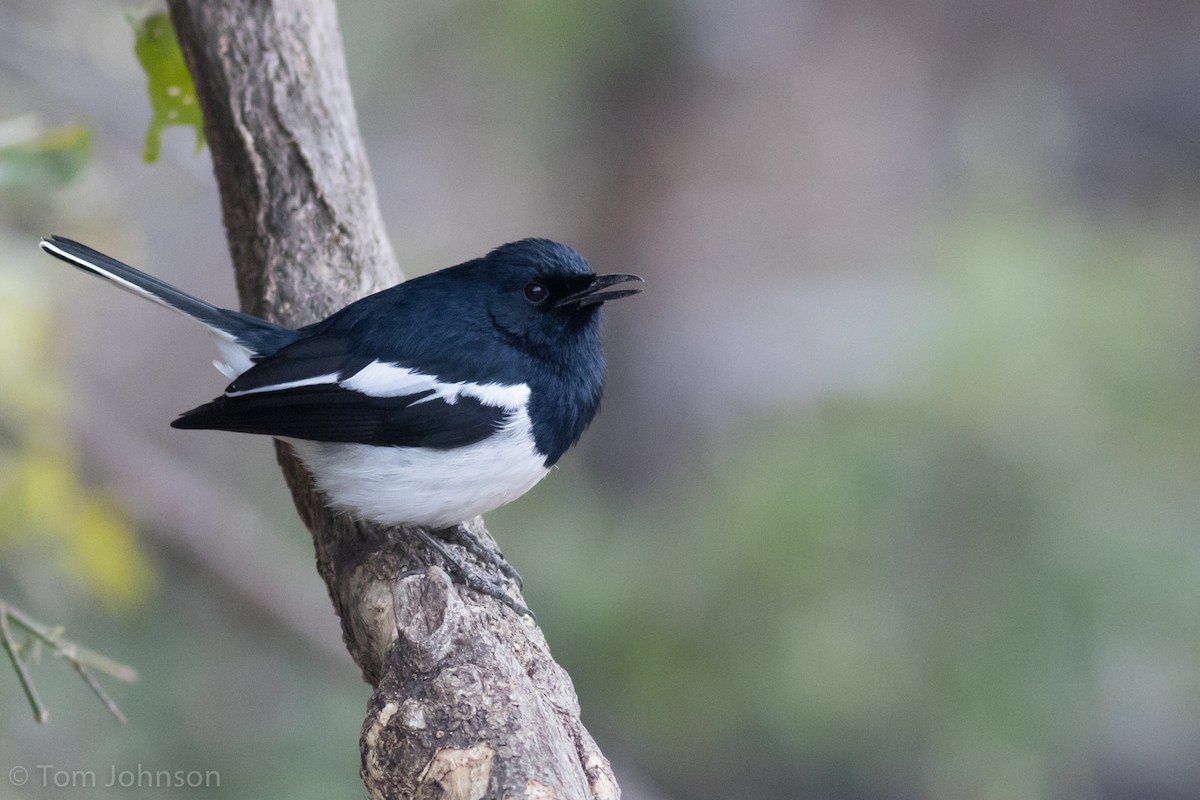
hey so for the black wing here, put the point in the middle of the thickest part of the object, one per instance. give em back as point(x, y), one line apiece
point(306, 359)
point(295, 393)
point(331, 413)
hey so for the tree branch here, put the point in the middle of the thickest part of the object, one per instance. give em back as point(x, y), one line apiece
point(468, 702)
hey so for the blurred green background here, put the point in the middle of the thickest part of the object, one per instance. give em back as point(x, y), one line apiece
point(895, 491)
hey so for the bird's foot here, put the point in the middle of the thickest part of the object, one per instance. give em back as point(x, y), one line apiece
point(483, 550)
point(469, 575)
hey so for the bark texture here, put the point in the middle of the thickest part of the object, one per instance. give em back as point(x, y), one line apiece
point(467, 701)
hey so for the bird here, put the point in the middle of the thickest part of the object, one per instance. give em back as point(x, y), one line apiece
point(425, 404)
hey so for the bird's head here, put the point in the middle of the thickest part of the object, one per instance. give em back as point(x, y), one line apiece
point(545, 293)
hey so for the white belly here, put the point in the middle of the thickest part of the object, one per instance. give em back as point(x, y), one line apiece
point(420, 486)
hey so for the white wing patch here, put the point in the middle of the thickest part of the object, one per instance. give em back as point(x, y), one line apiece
point(380, 379)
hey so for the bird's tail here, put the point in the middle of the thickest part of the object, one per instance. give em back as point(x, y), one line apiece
point(240, 337)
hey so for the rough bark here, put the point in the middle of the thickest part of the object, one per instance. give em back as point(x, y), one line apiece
point(467, 701)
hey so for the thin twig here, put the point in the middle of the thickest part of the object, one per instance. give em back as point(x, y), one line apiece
point(80, 658)
point(98, 690)
point(70, 650)
point(40, 714)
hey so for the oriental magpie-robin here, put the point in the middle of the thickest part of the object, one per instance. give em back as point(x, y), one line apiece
point(422, 405)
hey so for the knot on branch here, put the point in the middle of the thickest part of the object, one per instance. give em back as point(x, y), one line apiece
point(429, 616)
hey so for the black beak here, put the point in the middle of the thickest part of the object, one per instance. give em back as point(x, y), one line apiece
point(592, 295)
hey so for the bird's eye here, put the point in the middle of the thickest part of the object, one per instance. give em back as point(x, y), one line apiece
point(536, 293)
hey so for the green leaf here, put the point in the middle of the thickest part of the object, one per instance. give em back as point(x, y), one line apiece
point(169, 84)
point(54, 158)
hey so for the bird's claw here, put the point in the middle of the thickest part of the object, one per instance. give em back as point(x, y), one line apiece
point(468, 575)
point(484, 551)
